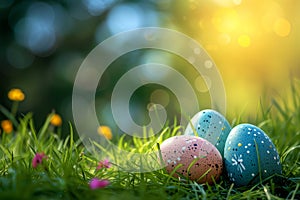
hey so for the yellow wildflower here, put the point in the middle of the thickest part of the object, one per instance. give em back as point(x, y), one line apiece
point(16, 95)
point(7, 126)
point(56, 120)
point(105, 131)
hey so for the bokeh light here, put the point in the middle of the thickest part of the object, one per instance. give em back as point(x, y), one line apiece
point(36, 31)
point(96, 8)
point(128, 16)
point(282, 27)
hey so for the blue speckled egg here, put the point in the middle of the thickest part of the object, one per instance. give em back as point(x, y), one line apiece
point(249, 153)
point(212, 126)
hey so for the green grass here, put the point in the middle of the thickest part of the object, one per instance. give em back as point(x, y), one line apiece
point(66, 172)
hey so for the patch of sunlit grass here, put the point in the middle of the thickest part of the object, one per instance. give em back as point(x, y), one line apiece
point(39, 164)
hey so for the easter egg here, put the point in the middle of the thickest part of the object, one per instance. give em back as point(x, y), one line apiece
point(250, 154)
point(210, 125)
point(200, 160)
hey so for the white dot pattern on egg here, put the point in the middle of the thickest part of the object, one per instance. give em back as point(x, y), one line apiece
point(212, 126)
point(244, 143)
point(184, 150)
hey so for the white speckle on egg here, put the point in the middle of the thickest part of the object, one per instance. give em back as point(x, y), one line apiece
point(248, 151)
point(252, 174)
point(268, 151)
point(262, 142)
point(178, 158)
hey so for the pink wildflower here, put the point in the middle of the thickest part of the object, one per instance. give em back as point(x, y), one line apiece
point(98, 183)
point(103, 164)
point(38, 159)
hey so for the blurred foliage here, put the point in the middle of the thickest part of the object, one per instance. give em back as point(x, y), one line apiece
point(255, 45)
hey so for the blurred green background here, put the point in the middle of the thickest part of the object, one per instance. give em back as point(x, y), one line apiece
point(255, 45)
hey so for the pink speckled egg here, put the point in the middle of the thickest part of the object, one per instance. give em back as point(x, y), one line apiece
point(184, 149)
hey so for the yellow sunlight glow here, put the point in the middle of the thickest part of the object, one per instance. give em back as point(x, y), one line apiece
point(282, 27)
point(244, 40)
point(253, 43)
point(226, 20)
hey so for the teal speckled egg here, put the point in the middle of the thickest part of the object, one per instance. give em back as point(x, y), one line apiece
point(212, 126)
point(249, 153)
